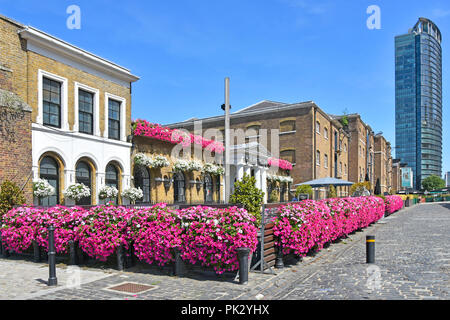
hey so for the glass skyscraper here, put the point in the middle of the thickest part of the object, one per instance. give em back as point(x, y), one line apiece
point(418, 100)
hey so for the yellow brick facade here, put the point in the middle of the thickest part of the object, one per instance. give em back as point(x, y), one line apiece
point(160, 189)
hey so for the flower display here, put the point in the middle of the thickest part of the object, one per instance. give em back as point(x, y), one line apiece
point(133, 194)
point(77, 191)
point(310, 224)
point(42, 189)
point(187, 165)
point(203, 235)
point(107, 192)
point(213, 169)
point(393, 204)
point(282, 179)
point(156, 131)
point(279, 163)
point(158, 161)
point(211, 236)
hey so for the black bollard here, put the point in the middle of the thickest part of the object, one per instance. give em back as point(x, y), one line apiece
point(179, 263)
point(120, 258)
point(370, 249)
point(279, 264)
point(52, 281)
point(73, 256)
point(36, 252)
point(243, 254)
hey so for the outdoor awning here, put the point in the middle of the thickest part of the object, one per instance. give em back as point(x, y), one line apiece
point(325, 182)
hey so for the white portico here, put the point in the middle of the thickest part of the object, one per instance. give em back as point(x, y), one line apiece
point(251, 159)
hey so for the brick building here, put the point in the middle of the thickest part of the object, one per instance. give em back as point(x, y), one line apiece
point(15, 136)
point(81, 110)
point(302, 133)
point(383, 163)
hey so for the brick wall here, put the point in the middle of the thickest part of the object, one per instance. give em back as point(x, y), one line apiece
point(15, 136)
point(158, 191)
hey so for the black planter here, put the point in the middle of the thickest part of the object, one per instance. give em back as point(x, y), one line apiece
point(120, 258)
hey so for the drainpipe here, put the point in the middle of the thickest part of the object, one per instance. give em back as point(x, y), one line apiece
point(314, 148)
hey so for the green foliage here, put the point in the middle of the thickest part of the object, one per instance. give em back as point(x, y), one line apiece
point(332, 192)
point(365, 184)
point(247, 194)
point(344, 121)
point(433, 183)
point(10, 195)
point(304, 189)
point(274, 196)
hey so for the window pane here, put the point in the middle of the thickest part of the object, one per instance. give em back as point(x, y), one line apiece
point(51, 102)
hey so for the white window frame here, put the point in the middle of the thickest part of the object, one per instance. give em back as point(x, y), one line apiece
point(318, 158)
point(95, 111)
point(64, 98)
point(123, 120)
point(325, 132)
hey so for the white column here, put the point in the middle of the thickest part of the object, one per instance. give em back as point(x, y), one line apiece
point(69, 178)
point(258, 177)
point(240, 172)
point(126, 183)
point(248, 170)
point(264, 183)
point(100, 182)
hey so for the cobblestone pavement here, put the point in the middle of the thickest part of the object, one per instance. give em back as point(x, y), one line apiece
point(412, 262)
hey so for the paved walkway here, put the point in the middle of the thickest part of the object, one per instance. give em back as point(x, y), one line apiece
point(412, 262)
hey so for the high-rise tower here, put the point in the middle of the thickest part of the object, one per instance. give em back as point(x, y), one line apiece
point(418, 100)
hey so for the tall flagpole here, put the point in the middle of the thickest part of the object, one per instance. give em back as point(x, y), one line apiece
point(227, 141)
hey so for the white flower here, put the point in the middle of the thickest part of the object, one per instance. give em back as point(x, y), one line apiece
point(77, 191)
point(42, 189)
point(107, 192)
point(213, 169)
point(187, 165)
point(133, 194)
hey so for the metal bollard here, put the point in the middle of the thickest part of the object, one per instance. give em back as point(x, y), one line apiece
point(36, 252)
point(52, 281)
point(370, 249)
point(73, 257)
point(279, 264)
point(120, 258)
point(179, 263)
point(243, 254)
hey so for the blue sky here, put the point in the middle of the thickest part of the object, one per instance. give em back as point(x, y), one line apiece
point(282, 50)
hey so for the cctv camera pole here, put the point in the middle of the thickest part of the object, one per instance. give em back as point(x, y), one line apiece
point(227, 141)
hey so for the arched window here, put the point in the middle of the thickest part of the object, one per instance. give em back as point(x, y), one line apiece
point(208, 188)
point(49, 170)
point(179, 188)
point(112, 177)
point(142, 180)
point(83, 174)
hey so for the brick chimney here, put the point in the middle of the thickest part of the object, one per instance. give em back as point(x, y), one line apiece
point(5, 78)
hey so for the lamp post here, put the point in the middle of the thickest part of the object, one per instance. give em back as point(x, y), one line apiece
point(226, 108)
